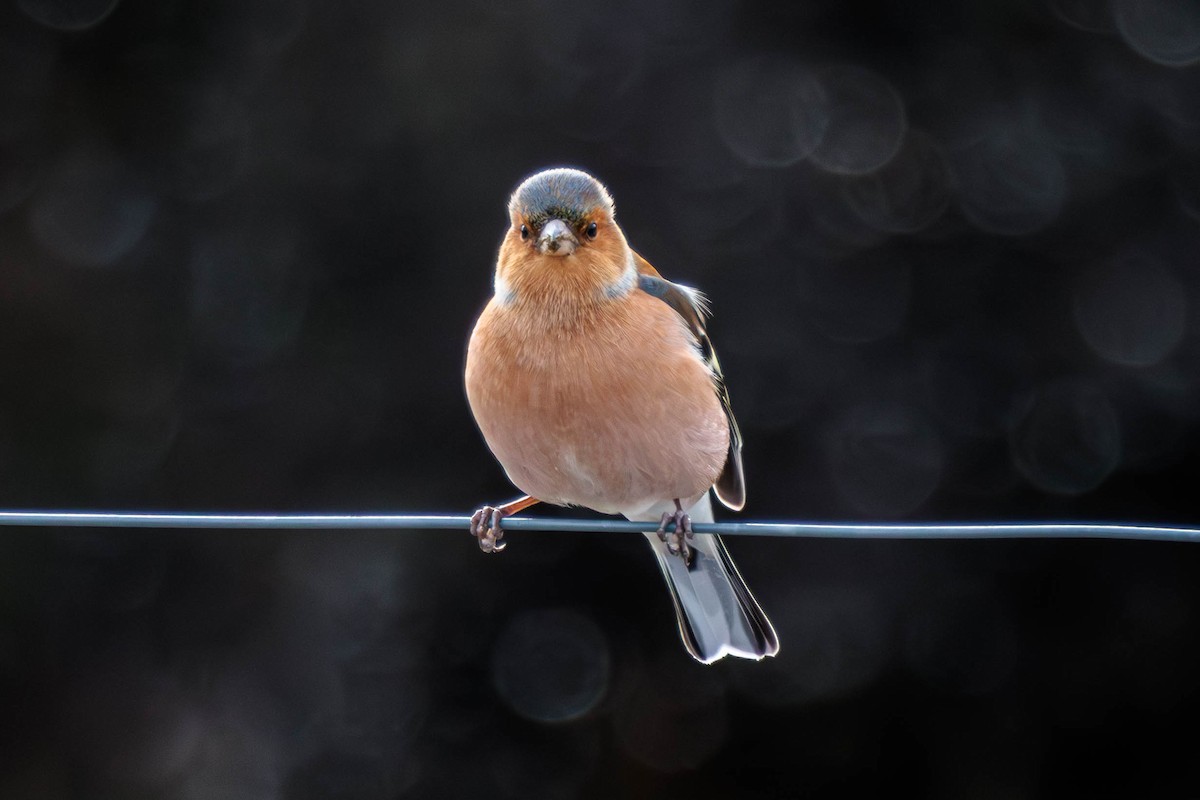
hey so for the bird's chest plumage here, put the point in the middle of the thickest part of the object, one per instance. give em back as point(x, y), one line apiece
point(609, 410)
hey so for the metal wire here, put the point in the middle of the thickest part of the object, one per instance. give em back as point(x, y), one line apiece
point(1034, 530)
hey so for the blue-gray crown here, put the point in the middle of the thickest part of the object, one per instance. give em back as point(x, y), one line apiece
point(566, 194)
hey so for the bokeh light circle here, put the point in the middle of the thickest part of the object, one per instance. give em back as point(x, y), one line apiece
point(67, 15)
point(770, 112)
point(1010, 182)
point(1165, 31)
point(866, 121)
point(1131, 312)
point(1065, 437)
point(551, 665)
point(91, 211)
point(908, 193)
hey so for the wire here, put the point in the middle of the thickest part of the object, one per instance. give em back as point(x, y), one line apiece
point(1035, 530)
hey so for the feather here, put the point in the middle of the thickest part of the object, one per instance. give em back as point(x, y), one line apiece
point(692, 306)
point(717, 614)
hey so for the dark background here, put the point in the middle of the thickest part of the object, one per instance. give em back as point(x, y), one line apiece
point(952, 252)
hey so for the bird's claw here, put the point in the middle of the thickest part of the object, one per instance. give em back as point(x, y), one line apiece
point(677, 540)
point(485, 526)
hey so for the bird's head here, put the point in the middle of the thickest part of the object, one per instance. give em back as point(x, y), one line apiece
point(563, 239)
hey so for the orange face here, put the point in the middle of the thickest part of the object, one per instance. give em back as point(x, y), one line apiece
point(563, 241)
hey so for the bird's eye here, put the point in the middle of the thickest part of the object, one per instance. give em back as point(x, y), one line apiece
point(591, 231)
point(524, 232)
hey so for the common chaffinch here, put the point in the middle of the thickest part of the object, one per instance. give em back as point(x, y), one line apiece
point(594, 383)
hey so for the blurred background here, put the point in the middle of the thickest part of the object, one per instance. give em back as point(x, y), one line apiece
point(952, 253)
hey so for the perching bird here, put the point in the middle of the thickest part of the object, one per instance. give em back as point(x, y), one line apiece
point(594, 383)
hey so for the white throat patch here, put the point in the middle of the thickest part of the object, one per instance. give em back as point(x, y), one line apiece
point(624, 284)
point(504, 293)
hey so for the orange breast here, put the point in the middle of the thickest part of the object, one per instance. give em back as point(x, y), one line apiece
point(614, 412)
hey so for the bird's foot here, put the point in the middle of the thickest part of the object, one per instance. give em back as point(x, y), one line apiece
point(485, 523)
point(485, 526)
point(677, 540)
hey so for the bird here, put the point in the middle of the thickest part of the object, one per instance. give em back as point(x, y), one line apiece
point(594, 383)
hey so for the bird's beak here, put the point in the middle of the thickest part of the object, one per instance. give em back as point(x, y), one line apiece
point(557, 239)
